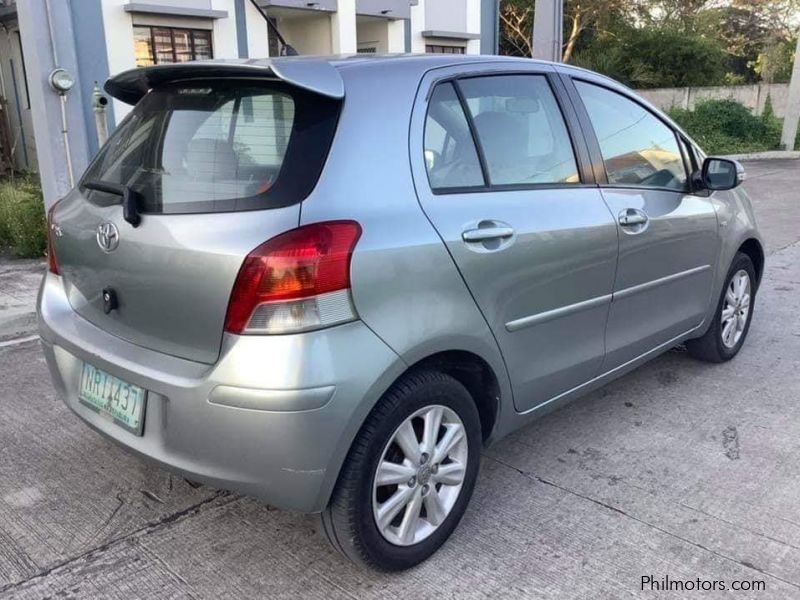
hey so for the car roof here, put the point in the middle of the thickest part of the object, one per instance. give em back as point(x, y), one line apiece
point(319, 74)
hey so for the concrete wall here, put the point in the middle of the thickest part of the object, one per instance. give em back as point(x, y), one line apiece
point(446, 15)
point(417, 26)
point(257, 32)
point(385, 35)
point(752, 96)
point(451, 16)
point(308, 35)
point(472, 9)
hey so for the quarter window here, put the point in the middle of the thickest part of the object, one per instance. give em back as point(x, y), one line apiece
point(521, 130)
point(637, 147)
point(450, 155)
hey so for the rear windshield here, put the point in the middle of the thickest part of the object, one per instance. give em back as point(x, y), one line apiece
point(205, 146)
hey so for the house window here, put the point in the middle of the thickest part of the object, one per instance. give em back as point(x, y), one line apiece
point(160, 45)
point(438, 49)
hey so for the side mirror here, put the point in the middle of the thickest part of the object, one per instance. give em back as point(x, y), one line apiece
point(720, 174)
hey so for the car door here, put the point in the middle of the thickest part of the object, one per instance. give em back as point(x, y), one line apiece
point(504, 177)
point(668, 237)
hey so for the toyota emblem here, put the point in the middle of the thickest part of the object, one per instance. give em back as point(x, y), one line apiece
point(107, 237)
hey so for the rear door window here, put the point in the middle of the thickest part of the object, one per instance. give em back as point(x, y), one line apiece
point(219, 146)
point(521, 130)
point(638, 148)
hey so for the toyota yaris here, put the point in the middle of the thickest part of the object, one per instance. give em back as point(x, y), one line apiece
point(329, 282)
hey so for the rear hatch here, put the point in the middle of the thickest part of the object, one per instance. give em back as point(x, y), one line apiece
point(215, 167)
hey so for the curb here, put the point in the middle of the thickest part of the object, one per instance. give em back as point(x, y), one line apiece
point(21, 324)
point(768, 155)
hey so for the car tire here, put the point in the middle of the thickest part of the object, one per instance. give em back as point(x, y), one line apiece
point(409, 407)
point(727, 333)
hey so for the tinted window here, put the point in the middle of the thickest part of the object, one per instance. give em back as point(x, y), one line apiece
point(233, 151)
point(201, 147)
point(450, 155)
point(637, 147)
point(521, 130)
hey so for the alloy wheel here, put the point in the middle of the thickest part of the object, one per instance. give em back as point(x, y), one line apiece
point(736, 308)
point(419, 476)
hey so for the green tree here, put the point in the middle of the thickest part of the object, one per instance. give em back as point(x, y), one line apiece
point(650, 43)
point(656, 57)
point(774, 63)
point(580, 17)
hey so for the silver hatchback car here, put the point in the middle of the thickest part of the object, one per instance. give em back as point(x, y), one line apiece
point(329, 282)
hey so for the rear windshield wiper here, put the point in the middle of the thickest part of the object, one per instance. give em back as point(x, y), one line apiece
point(130, 204)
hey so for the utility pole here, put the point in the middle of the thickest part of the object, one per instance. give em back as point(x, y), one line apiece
point(548, 23)
point(48, 35)
point(792, 115)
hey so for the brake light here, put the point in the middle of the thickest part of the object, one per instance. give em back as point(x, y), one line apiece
point(52, 260)
point(297, 281)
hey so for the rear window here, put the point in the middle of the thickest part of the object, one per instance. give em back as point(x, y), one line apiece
point(205, 146)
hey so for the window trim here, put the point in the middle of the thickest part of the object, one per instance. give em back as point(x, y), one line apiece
point(570, 120)
point(590, 136)
point(696, 165)
point(476, 140)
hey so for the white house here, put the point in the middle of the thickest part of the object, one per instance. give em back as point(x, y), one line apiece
point(93, 39)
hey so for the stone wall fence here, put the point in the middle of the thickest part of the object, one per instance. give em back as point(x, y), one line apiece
point(752, 96)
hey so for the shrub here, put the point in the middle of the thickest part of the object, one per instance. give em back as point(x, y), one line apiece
point(728, 127)
point(23, 225)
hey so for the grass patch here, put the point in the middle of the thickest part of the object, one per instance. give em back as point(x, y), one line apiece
point(23, 224)
point(728, 127)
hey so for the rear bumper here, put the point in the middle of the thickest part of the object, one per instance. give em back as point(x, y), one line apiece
point(274, 417)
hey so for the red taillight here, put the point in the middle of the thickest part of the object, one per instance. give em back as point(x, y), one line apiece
point(288, 283)
point(52, 260)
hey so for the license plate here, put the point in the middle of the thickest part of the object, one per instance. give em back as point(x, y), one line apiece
point(120, 401)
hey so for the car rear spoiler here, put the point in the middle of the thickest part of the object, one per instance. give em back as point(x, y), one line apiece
point(317, 76)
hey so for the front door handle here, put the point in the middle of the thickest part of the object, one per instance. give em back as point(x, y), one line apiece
point(632, 217)
point(482, 234)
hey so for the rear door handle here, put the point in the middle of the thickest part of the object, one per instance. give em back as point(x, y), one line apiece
point(482, 234)
point(632, 217)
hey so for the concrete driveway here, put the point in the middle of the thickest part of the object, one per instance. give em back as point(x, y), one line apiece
point(681, 469)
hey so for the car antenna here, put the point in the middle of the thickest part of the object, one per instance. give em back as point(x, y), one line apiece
point(286, 48)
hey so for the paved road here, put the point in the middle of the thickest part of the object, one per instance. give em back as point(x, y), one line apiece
point(680, 469)
point(18, 282)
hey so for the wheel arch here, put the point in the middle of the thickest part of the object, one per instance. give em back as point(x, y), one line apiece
point(488, 387)
point(753, 248)
point(476, 375)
